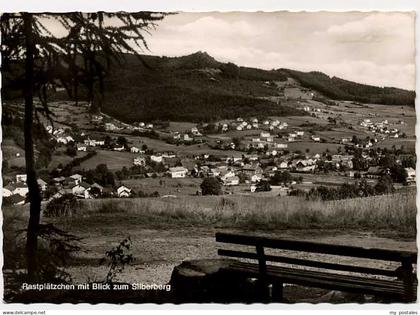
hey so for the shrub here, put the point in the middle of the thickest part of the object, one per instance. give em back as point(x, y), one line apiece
point(210, 186)
point(62, 206)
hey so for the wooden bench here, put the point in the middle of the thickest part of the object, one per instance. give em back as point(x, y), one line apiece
point(391, 285)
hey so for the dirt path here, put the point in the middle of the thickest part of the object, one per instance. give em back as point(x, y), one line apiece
point(158, 251)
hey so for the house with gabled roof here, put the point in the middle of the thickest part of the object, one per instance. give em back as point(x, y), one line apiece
point(42, 184)
point(21, 189)
point(81, 190)
point(231, 181)
point(178, 172)
point(123, 192)
point(16, 199)
point(8, 190)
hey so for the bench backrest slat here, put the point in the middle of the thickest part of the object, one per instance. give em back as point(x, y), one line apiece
point(309, 263)
point(321, 248)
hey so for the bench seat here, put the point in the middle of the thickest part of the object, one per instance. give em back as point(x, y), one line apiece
point(394, 289)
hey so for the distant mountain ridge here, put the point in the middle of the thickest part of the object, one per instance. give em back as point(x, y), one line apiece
point(197, 87)
point(340, 89)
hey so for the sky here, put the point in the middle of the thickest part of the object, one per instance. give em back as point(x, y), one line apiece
point(367, 47)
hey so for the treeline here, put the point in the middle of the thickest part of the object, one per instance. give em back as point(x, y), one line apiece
point(340, 89)
point(347, 191)
point(67, 169)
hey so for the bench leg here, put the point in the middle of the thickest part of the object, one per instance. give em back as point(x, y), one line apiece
point(277, 292)
point(263, 291)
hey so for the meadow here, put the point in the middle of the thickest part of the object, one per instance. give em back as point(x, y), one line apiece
point(113, 159)
point(395, 212)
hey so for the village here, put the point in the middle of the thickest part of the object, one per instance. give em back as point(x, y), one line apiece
point(246, 155)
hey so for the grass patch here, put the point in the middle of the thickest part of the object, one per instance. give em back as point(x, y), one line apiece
point(396, 212)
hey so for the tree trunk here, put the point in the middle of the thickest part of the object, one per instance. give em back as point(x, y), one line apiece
point(34, 193)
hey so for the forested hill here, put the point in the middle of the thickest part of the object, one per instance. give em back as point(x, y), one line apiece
point(198, 87)
point(340, 89)
point(191, 88)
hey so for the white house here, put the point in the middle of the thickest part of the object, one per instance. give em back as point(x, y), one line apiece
point(283, 165)
point(21, 189)
point(62, 140)
point(139, 161)
point(178, 172)
point(316, 138)
point(156, 158)
point(110, 127)
point(256, 178)
point(168, 155)
point(187, 137)
point(123, 191)
point(8, 191)
point(42, 184)
point(281, 145)
point(300, 133)
point(81, 147)
point(411, 172)
point(21, 178)
point(264, 134)
point(81, 190)
point(119, 149)
point(226, 174)
point(231, 181)
point(89, 142)
point(77, 178)
point(195, 131)
point(134, 150)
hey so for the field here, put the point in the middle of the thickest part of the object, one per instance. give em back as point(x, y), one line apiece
point(60, 157)
point(167, 231)
point(113, 159)
point(165, 186)
point(314, 147)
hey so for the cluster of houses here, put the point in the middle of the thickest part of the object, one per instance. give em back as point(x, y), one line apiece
point(187, 137)
point(114, 125)
point(17, 191)
point(59, 135)
point(231, 171)
point(75, 185)
point(380, 127)
point(265, 140)
point(253, 123)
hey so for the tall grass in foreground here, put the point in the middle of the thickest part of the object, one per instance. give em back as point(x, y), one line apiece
point(395, 211)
